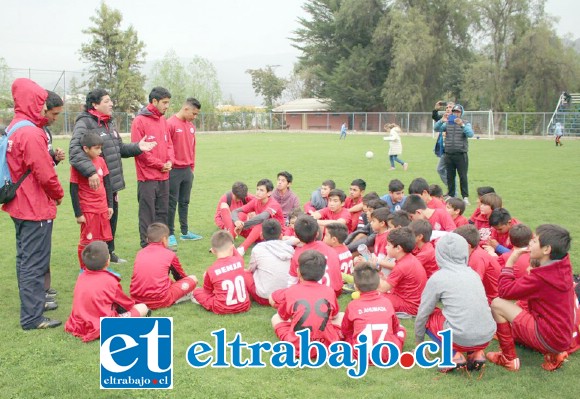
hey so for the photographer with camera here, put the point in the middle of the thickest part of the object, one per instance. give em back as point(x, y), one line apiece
point(455, 132)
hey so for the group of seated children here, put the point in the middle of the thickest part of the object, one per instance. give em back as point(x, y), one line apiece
point(409, 253)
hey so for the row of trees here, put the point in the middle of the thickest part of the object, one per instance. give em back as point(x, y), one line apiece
point(405, 54)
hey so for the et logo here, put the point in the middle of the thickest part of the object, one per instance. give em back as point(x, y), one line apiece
point(136, 353)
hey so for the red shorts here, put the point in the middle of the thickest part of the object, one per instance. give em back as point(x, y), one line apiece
point(435, 324)
point(96, 227)
point(251, 286)
point(401, 305)
point(176, 291)
point(524, 331)
point(285, 332)
point(208, 301)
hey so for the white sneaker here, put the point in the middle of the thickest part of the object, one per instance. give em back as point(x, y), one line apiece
point(405, 166)
point(466, 200)
point(241, 251)
point(185, 298)
point(193, 300)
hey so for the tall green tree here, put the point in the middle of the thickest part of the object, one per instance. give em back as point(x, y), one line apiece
point(198, 79)
point(267, 84)
point(5, 84)
point(115, 57)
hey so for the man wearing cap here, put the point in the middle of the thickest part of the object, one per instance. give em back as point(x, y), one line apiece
point(457, 131)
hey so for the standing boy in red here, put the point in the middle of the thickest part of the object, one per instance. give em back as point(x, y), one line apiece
point(307, 232)
point(151, 283)
point(263, 206)
point(93, 208)
point(182, 132)
point(307, 304)
point(548, 324)
point(372, 314)
point(439, 218)
point(97, 294)
point(483, 263)
point(408, 278)
point(153, 167)
point(224, 290)
point(424, 250)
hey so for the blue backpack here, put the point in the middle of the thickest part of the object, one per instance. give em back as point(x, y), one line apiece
point(8, 189)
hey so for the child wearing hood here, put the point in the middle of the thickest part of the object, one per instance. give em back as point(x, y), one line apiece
point(269, 263)
point(395, 145)
point(465, 309)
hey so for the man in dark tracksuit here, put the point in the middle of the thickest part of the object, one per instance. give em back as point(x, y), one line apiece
point(97, 118)
point(153, 167)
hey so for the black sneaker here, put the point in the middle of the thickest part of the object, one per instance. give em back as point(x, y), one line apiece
point(116, 259)
point(49, 297)
point(50, 306)
point(45, 323)
point(51, 292)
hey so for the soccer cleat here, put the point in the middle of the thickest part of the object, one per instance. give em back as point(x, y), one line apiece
point(51, 292)
point(172, 241)
point(499, 359)
point(405, 166)
point(460, 363)
point(116, 259)
point(185, 298)
point(553, 361)
point(50, 306)
point(190, 236)
point(241, 251)
point(475, 360)
point(45, 323)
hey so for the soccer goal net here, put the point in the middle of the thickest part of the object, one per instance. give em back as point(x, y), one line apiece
point(482, 123)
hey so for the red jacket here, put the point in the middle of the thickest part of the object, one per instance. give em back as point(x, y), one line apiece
point(151, 282)
point(97, 294)
point(183, 138)
point(549, 291)
point(153, 126)
point(28, 150)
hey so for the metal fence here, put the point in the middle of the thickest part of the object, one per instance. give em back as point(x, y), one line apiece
point(504, 123)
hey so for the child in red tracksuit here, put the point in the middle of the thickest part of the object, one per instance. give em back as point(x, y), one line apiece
point(548, 324)
point(97, 294)
point(151, 283)
point(92, 208)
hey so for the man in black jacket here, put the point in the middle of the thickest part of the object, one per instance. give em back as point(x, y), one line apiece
point(97, 118)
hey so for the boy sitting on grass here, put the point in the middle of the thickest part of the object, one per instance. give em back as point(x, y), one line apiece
point(307, 304)
point(97, 294)
point(547, 326)
point(269, 264)
point(224, 289)
point(372, 314)
point(455, 208)
point(151, 283)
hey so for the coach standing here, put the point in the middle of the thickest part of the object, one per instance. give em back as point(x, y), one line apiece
point(97, 117)
point(34, 207)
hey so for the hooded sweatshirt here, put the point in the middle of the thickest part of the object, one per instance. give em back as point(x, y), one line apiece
point(150, 124)
point(270, 262)
point(549, 291)
point(28, 150)
point(461, 292)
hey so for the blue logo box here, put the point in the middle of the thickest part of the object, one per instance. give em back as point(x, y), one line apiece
point(136, 353)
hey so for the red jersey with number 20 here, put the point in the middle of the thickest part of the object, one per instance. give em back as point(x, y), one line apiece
point(225, 279)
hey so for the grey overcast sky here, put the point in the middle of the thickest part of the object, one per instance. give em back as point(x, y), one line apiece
point(41, 34)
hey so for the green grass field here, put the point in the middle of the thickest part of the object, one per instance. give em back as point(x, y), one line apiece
point(538, 183)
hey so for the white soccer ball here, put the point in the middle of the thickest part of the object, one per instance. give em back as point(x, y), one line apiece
point(369, 154)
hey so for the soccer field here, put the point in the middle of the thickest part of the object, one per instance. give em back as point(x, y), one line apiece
point(537, 181)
